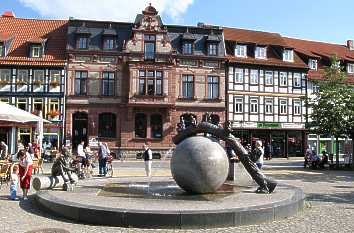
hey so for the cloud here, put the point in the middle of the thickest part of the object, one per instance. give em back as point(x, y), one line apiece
point(111, 10)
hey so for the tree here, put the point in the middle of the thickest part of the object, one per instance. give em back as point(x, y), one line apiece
point(332, 106)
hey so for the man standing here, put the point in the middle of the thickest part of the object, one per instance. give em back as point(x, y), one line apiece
point(102, 159)
point(3, 150)
point(81, 155)
point(147, 159)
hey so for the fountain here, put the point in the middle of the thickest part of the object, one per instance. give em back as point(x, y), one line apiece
point(197, 196)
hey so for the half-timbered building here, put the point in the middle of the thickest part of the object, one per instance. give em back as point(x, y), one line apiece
point(32, 75)
point(318, 56)
point(266, 81)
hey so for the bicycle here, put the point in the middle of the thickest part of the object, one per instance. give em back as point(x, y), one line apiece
point(109, 166)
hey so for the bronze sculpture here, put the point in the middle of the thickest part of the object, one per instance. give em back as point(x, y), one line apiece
point(61, 167)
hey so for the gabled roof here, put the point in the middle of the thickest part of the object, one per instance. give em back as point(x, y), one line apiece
point(321, 49)
point(254, 37)
point(25, 31)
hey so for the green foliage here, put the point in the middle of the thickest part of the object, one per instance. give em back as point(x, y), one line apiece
point(333, 106)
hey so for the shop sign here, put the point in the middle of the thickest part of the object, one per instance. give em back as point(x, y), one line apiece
point(272, 125)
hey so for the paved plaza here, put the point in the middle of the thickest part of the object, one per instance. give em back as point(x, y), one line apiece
point(329, 206)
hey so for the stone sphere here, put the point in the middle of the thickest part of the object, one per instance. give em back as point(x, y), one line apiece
point(199, 165)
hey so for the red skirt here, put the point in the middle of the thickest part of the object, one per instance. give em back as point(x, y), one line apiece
point(25, 183)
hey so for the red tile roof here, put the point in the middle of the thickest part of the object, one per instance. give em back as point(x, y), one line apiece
point(321, 48)
point(257, 37)
point(25, 31)
point(262, 38)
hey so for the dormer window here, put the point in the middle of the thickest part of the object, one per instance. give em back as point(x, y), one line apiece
point(350, 68)
point(241, 50)
point(288, 55)
point(260, 52)
point(187, 48)
point(212, 49)
point(36, 51)
point(2, 50)
point(313, 64)
point(149, 47)
point(82, 42)
point(108, 43)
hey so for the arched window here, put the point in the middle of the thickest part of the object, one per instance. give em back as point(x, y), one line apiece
point(107, 125)
point(188, 119)
point(214, 119)
point(140, 125)
point(156, 126)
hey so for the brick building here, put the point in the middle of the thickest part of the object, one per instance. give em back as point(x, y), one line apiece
point(129, 83)
point(32, 75)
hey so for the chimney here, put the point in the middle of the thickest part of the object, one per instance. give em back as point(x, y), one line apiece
point(350, 44)
point(8, 14)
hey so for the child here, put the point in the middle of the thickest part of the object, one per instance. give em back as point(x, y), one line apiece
point(14, 181)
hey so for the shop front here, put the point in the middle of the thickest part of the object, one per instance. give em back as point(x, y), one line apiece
point(283, 142)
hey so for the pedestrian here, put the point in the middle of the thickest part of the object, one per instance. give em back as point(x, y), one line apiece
point(81, 157)
point(147, 159)
point(3, 150)
point(257, 154)
point(20, 146)
point(25, 170)
point(102, 159)
point(14, 182)
point(268, 151)
point(30, 150)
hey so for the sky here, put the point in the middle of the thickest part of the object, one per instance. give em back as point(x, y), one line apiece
point(321, 20)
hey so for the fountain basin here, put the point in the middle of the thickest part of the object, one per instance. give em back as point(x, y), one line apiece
point(137, 202)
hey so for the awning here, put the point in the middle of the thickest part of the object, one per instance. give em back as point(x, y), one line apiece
point(10, 113)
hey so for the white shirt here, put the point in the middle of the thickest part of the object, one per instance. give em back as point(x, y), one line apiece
point(80, 150)
point(260, 159)
point(26, 161)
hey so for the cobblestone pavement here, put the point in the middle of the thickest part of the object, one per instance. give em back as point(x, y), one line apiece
point(329, 205)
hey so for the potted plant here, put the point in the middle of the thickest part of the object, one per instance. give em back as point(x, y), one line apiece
point(21, 82)
point(37, 82)
point(53, 113)
point(54, 83)
point(4, 82)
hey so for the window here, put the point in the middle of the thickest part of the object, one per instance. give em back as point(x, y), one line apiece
point(140, 125)
point(5, 76)
point(260, 52)
point(350, 68)
point(108, 83)
point(213, 87)
point(188, 119)
point(107, 125)
point(22, 77)
point(38, 107)
point(22, 104)
point(38, 77)
point(283, 79)
point(53, 110)
point(253, 105)
point(297, 80)
point(80, 82)
point(297, 107)
point(187, 48)
point(2, 50)
point(149, 47)
point(188, 86)
point(268, 77)
point(35, 51)
point(108, 43)
point(238, 75)
point(150, 82)
point(238, 103)
point(54, 78)
point(82, 42)
point(288, 55)
point(254, 77)
point(313, 64)
point(241, 51)
point(156, 126)
point(315, 88)
point(268, 106)
point(283, 105)
point(212, 49)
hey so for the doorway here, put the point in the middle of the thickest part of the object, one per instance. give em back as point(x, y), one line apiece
point(79, 128)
